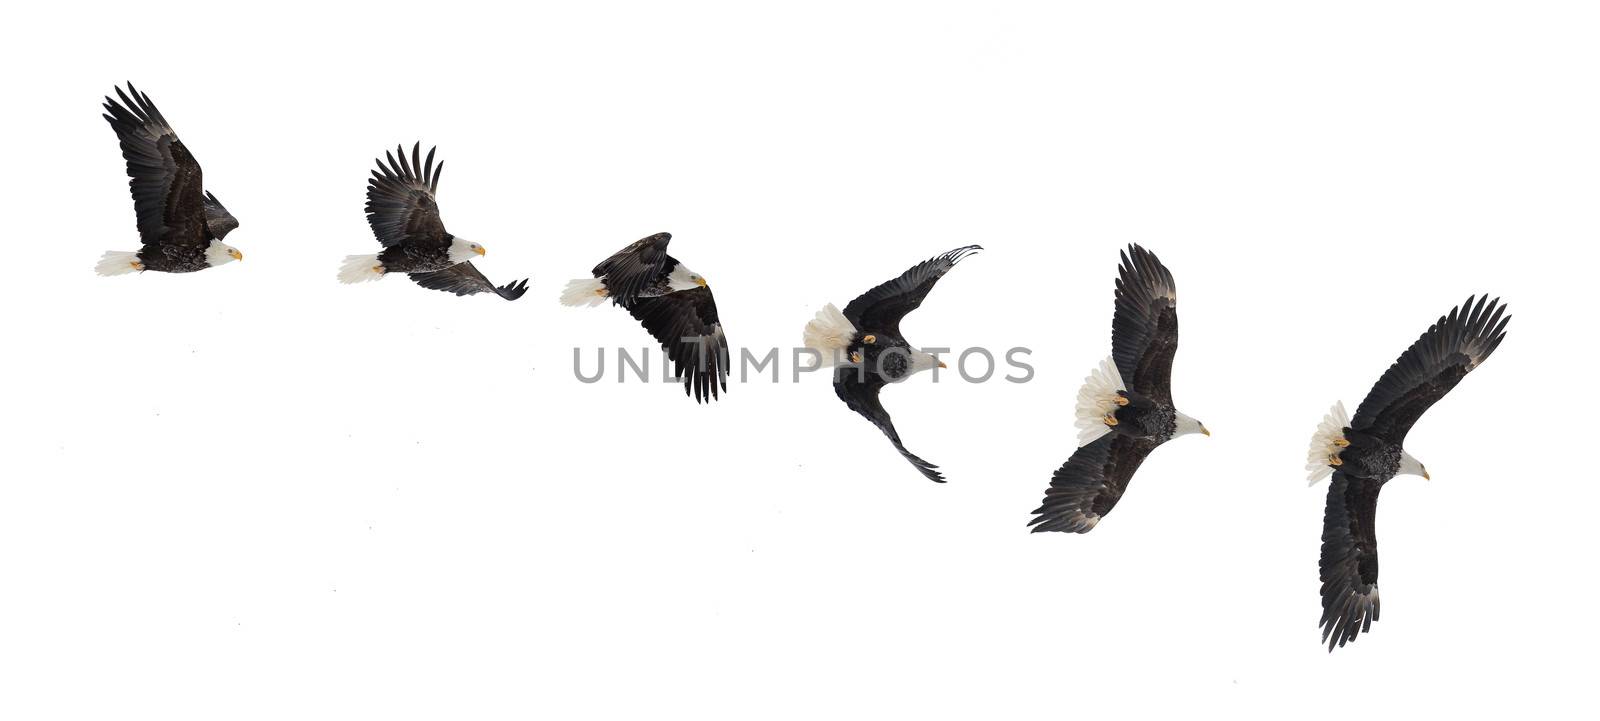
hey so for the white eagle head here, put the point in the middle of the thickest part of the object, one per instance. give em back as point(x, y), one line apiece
point(220, 253)
point(463, 250)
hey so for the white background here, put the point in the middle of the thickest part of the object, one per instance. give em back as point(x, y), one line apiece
point(255, 493)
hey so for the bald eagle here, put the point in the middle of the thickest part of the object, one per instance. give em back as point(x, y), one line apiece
point(1125, 408)
point(672, 302)
point(405, 218)
point(181, 225)
point(1365, 453)
point(864, 345)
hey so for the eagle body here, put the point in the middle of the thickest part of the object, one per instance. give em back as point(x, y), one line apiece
point(174, 258)
point(416, 258)
point(1370, 457)
point(1146, 419)
point(889, 355)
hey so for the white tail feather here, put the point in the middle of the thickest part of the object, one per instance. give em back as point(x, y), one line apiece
point(1096, 400)
point(829, 334)
point(584, 292)
point(1322, 448)
point(117, 262)
point(359, 269)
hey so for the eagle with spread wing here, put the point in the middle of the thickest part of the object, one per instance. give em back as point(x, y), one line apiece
point(405, 218)
point(1124, 409)
point(181, 224)
point(1369, 451)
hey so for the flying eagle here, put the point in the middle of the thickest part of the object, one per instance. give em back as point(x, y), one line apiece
point(1367, 452)
point(864, 345)
point(180, 223)
point(405, 218)
point(1125, 408)
point(672, 302)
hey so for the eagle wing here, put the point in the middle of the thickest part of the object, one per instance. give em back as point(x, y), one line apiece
point(1432, 366)
point(400, 201)
point(1144, 330)
point(1349, 559)
point(860, 392)
point(685, 324)
point(466, 279)
point(163, 177)
point(218, 220)
point(634, 268)
point(881, 308)
point(1089, 484)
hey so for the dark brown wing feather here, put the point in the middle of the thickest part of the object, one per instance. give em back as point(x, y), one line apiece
point(1349, 559)
point(1144, 331)
point(881, 308)
point(164, 178)
point(218, 220)
point(860, 392)
point(466, 279)
point(1433, 365)
point(1090, 483)
point(634, 268)
point(685, 324)
point(400, 201)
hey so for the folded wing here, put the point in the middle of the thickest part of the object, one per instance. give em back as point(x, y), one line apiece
point(685, 324)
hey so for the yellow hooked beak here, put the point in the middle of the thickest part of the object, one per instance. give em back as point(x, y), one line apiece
point(236, 254)
point(700, 282)
point(1204, 430)
point(480, 251)
point(1425, 475)
point(942, 365)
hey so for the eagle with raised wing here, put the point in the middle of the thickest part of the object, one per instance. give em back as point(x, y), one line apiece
point(181, 224)
point(405, 219)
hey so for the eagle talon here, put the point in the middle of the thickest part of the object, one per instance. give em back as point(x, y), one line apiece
point(855, 356)
point(1111, 420)
point(869, 340)
point(1335, 461)
point(1342, 443)
point(1121, 400)
point(378, 269)
point(137, 265)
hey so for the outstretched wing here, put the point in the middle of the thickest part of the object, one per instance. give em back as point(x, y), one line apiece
point(218, 220)
point(465, 279)
point(1349, 559)
point(634, 268)
point(881, 308)
point(163, 176)
point(1089, 484)
point(1144, 331)
point(400, 204)
point(860, 392)
point(685, 324)
point(1432, 366)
